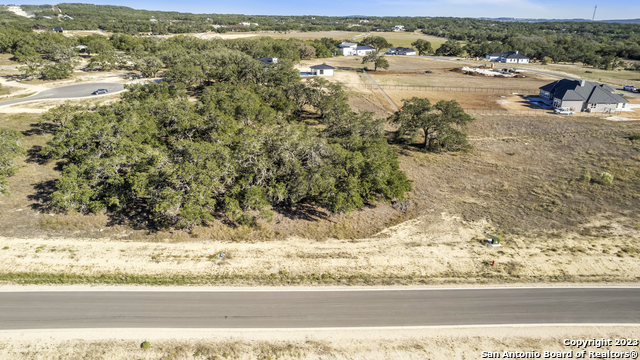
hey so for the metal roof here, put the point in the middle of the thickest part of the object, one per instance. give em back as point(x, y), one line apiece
point(364, 47)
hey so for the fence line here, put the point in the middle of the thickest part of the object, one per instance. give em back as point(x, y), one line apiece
point(533, 112)
point(374, 85)
point(447, 88)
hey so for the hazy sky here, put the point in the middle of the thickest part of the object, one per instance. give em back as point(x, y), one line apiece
point(550, 9)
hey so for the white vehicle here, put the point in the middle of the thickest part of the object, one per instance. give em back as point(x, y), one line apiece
point(630, 88)
point(563, 111)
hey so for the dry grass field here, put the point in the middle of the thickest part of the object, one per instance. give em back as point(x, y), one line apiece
point(351, 344)
point(412, 71)
point(395, 38)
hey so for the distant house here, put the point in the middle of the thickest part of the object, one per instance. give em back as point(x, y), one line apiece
point(58, 29)
point(46, 17)
point(245, 24)
point(511, 57)
point(153, 20)
point(355, 49)
point(268, 60)
point(67, 17)
point(322, 70)
point(398, 28)
point(401, 51)
point(364, 21)
point(82, 48)
point(583, 96)
point(254, 24)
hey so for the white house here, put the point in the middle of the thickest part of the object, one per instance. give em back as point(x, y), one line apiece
point(364, 50)
point(245, 24)
point(153, 20)
point(401, 51)
point(254, 24)
point(322, 70)
point(348, 48)
point(355, 49)
point(364, 21)
point(510, 57)
point(398, 28)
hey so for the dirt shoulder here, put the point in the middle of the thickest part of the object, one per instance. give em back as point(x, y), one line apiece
point(428, 343)
point(438, 249)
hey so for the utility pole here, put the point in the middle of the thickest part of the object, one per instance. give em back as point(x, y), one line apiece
point(594, 13)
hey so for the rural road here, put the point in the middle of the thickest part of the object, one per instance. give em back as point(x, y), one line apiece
point(67, 92)
point(304, 309)
point(359, 36)
point(444, 58)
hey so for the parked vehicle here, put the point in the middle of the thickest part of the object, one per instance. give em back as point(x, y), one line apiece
point(100, 91)
point(630, 88)
point(563, 111)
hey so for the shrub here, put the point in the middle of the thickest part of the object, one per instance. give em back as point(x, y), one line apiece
point(589, 72)
point(606, 178)
point(587, 176)
point(145, 345)
point(634, 136)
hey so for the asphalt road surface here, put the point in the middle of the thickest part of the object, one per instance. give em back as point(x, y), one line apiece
point(68, 92)
point(300, 309)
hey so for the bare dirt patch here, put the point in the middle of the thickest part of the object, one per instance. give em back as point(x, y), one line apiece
point(18, 11)
point(441, 75)
point(435, 343)
point(467, 100)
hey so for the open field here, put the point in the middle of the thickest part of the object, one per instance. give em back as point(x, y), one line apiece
point(352, 344)
point(396, 38)
point(523, 180)
point(441, 75)
point(404, 39)
point(618, 77)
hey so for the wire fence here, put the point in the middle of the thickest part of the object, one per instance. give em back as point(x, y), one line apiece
point(534, 112)
point(486, 90)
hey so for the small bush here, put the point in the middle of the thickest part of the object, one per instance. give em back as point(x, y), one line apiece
point(145, 345)
point(5, 248)
point(606, 178)
point(634, 136)
point(589, 72)
point(586, 176)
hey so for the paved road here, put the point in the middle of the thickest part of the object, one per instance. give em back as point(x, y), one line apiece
point(444, 58)
point(359, 36)
point(68, 92)
point(297, 309)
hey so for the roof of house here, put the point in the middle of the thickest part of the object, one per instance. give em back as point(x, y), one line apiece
point(401, 49)
point(266, 60)
point(364, 47)
point(57, 29)
point(347, 44)
point(509, 55)
point(591, 92)
point(322, 67)
point(513, 55)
